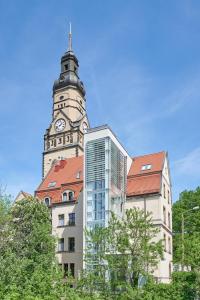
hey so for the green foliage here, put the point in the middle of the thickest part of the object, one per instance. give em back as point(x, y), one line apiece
point(27, 254)
point(187, 200)
point(117, 255)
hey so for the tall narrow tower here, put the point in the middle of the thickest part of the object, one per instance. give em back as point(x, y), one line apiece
point(64, 137)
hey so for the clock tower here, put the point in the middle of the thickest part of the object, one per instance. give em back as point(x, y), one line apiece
point(64, 137)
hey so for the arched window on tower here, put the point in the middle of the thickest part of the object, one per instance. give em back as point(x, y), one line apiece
point(47, 201)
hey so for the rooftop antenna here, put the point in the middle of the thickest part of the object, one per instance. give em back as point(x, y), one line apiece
point(70, 37)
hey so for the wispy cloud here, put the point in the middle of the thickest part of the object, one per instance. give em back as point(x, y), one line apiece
point(188, 165)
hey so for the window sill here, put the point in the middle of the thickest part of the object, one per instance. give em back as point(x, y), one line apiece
point(68, 225)
point(65, 251)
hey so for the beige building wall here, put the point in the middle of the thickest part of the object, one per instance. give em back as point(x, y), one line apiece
point(160, 206)
point(67, 231)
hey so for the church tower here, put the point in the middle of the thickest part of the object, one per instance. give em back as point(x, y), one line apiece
point(64, 137)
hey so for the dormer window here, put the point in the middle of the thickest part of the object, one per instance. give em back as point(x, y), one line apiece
point(146, 167)
point(47, 201)
point(64, 196)
point(71, 196)
point(68, 196)
point(78, 175)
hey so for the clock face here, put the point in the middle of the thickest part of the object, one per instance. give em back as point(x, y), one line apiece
point(60, 125)
point(85, 126)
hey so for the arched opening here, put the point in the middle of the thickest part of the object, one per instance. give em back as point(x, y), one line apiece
point(65, 196)
point(47, 201)
point(71, 196)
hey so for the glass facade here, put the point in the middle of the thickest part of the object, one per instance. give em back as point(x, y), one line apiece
point(105, 181)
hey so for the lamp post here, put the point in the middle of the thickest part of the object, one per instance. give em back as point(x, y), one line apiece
point(182, 233)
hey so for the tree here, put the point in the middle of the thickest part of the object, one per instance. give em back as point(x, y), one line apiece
point(27, 264)
point(120, 254)
point(187, 201)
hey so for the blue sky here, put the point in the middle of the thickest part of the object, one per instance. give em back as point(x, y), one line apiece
point(140, 63)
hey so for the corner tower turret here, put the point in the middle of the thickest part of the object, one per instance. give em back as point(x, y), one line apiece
point(64, 137)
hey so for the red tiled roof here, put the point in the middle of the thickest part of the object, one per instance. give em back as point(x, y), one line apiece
point(141, 185)
point(141, 182)
point(156, 161)
point(66, 175)
point(64, 172)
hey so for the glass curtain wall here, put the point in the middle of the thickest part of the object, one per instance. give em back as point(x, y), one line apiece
point(105, 182)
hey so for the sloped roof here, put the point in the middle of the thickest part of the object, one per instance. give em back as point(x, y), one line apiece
point(141, 182)
point(66, 171)
point(64, 175)
point(22, 195)
point(141, 185)
point(68, 175)
point(156, 160)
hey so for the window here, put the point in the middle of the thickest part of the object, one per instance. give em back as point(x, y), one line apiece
point(61, 245)
point(47, 201)
point(164, 214)
point(169, 245)
point(72, 268)
point(61, 97)
point(55, 143)
point(78, 175)
point(71, 244)
point(168, 196)
point(68, 196)
point(165, 242)
point(61, 220)
point(59, 140)
point(169, 220)
point(64, 196)
point(66, 67)
point(146, 167)
point(72, 219)
point(75, 68)
point(170, 270)
point(65, 270)
point(52, 184)
point(164, 191)
point(71, 196)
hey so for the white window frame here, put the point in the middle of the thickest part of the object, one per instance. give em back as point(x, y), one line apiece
point(49, 201)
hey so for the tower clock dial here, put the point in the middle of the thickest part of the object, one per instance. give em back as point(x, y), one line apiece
point(60, 125)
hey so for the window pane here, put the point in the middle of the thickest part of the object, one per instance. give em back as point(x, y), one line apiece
point(71, 244)
point(64, 196)
point(72, 219)
point(72, 268)
point(61, 220)
point(61, 244)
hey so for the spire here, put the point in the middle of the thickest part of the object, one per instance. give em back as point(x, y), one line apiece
point(70, 37)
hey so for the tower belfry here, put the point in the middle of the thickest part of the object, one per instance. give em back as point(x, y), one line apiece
point(64, 137)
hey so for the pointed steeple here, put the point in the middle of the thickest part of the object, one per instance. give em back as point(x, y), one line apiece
point(70, 38)
point(69, 69)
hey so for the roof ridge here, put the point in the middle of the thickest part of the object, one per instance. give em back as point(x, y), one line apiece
point(163, 151)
